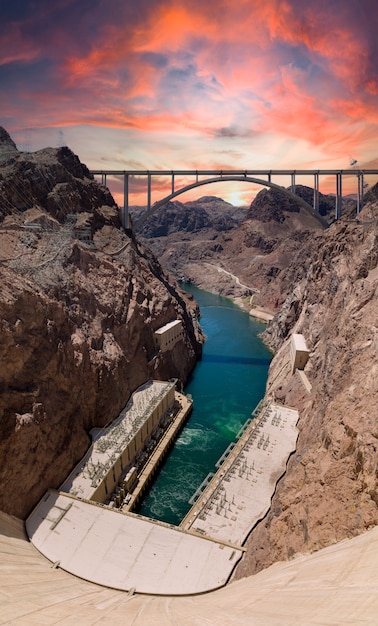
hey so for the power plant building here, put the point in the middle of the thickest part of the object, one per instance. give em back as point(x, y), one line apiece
point(168, 335)
point(115, 448)
point(299, 352)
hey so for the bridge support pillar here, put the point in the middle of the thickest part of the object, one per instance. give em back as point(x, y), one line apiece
point(360, 192)
point(292, 189)
point(148, 191)
point(316, 193)
point(126, 217)
point(339, 196)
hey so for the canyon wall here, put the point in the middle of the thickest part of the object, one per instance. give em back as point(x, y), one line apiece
point(323, 284)
point(330, 490)
point(80, 299)
point(79, 302)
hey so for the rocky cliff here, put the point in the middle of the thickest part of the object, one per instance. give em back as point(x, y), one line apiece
point(323, 284)
point(235, 252)
point(330, 490)
point(79, 301)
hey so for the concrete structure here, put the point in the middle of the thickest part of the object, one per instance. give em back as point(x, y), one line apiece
point(299, 352)
point(159, 453)
point(249, 176)
point(334, 586)
point(304, 380)
point(239, 494)
point(126, 551)
point(115, 448)
point(168, 335)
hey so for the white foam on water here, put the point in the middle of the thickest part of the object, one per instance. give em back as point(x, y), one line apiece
point(197, 438)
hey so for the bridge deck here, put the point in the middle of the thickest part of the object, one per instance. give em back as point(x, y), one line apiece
point(251, 176)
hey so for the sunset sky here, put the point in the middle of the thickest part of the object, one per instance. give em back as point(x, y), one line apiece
point(189, 84)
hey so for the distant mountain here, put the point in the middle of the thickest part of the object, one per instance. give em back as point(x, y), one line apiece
point(208, 212)
point(271, 204)
point(371, 196)
point(230, 250)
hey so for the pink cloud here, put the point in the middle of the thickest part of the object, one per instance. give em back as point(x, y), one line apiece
point(15, 47)
point(213, 79)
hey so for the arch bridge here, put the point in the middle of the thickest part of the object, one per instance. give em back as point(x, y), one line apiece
point(260, 177)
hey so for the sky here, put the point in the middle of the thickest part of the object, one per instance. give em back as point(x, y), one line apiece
point(191, 84)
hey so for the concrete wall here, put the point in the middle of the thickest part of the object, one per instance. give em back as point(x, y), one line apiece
point(299, 352)
point(168, 335)
point(135, 445)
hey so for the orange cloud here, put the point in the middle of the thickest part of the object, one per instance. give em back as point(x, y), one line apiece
point(197, 83)
point(171, 27)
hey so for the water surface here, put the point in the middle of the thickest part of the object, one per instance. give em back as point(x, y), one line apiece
point(226, 385)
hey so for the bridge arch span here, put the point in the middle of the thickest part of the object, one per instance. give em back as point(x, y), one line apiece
point(225, 178)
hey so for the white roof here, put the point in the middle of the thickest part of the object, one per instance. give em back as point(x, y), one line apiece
point(299, 342)
point(110, 442)
point(126, 552)
point(166, 327)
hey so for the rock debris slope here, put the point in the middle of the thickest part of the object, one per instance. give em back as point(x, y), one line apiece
point(79, 301)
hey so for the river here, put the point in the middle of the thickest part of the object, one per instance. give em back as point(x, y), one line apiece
point(226, 385)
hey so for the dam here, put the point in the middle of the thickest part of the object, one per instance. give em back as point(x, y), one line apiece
point(90, 544)
point(89, 526)
point(111, 546)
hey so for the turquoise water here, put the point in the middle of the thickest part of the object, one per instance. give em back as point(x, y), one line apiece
point(226, 385)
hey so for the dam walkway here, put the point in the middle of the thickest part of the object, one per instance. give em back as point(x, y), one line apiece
point(336, 585)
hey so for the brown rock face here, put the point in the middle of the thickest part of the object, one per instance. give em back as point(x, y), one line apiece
point(323, 284)
point(331, 486)
point(77, 320)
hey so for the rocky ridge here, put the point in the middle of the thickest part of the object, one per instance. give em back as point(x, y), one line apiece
point(79, 302)
point(236, 252)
